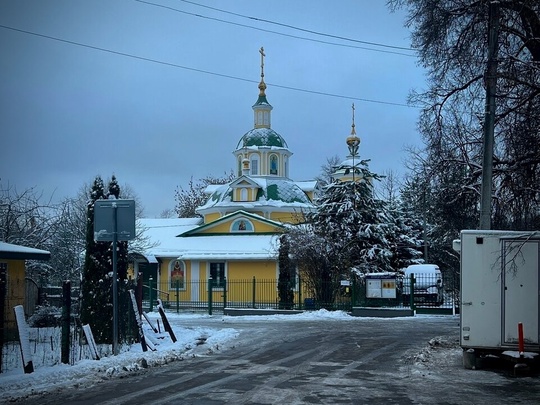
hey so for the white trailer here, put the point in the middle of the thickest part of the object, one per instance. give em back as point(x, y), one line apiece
point(500, 288)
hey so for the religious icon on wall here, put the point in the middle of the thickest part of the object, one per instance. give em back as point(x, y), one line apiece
point(177, 275)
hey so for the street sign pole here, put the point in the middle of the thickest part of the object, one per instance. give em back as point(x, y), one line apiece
point(114, 220)
point(115, 279)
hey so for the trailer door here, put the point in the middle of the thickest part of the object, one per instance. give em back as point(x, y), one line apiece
point(521, 290)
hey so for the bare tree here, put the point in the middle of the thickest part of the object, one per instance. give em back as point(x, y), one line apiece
point(451, 39)
point(187, 200)
point(327, 170)
point(389, 186)
point(28, 219)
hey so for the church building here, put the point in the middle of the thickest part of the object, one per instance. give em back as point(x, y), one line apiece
point(237, 235)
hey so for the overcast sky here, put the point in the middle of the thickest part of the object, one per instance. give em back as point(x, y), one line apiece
point(159, 92)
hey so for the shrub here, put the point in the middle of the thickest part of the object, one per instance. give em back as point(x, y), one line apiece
point(45, 316)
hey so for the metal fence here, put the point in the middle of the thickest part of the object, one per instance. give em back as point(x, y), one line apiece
point(429, 295)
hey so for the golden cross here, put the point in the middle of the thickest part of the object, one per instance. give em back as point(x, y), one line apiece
point(261, 51)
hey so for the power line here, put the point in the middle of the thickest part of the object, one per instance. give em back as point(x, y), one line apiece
point(281, 33)
point(294, 27)
point(128, 55)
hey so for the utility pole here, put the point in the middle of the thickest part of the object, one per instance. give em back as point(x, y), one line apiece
point(489, 118)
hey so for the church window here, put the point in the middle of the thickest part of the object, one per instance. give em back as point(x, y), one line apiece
point(243, 194)
point(286, 161)
point(239, 166)
point(255, 165)
point(273, 164)
point(217, 274)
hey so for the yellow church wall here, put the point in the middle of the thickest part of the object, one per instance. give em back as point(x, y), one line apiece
point(239, 276)
point(211, 217)
point(225, 227)
point(288, 217)
point(241, 290)
point(244, 270)
point(264, 227)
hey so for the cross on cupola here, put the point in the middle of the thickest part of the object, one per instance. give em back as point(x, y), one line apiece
point(353, 142)
point(262, 84)
point(262, 107)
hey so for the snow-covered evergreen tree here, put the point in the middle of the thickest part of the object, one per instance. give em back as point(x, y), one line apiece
point(406, 238)
point(96, 286)
point(351, 231)
point(96, 305)
point(355, 223)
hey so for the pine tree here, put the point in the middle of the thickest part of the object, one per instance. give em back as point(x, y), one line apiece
point(356, 224)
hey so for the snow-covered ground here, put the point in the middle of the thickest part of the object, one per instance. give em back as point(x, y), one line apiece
point(193, 340)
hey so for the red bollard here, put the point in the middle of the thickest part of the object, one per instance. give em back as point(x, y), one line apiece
point(521, 344)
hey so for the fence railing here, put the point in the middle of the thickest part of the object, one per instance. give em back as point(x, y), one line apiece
point(427, 292)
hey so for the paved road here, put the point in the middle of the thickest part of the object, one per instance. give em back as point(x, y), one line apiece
point(374, 361)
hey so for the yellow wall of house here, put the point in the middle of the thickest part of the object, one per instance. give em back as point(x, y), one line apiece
point(15, 286)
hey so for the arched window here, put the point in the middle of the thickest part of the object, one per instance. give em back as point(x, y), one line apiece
point(239, 166)
point(273, 164)
point(243, 194)
point(177, 274)
point(255, 165)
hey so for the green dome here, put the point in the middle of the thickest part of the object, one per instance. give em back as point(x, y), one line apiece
point(262, 137)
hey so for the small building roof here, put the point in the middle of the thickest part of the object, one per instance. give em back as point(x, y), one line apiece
point(10, 251)
point(164, 234)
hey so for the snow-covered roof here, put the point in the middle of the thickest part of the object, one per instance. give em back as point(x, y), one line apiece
point(273, 192)
point(308, 185)
point(164, 234)
point(18, 252)
point(262, 137)
point(229, 247)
